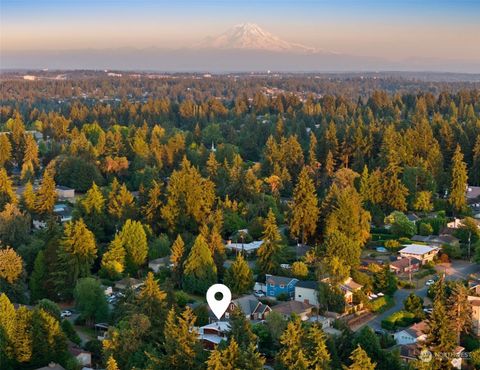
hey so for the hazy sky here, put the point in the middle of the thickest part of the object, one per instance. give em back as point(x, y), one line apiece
point(391, 29)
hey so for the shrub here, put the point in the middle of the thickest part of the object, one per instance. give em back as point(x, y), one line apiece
point(398, 319)
point(70, 332)
point(392, 244)
point(380, 304)
point(425, 229)
point(283, 297)
point(182, 298)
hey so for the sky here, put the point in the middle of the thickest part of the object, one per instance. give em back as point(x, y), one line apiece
point(448, 29)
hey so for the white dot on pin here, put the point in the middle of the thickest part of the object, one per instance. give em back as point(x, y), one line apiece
point(218, 306)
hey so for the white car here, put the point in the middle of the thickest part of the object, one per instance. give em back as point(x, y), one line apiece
point(259, 293)
point(430, 282)
point(65, 313)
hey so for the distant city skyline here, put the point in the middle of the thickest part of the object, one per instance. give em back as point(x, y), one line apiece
point(392, 30)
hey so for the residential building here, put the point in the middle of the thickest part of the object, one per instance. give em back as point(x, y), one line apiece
point(405, 265)
point(83, 357)
point(300, 309)
point(411, 352)
point(413, 334)
point(423, 253)
point(64, 192)
point(277, 285)
point(63, 212)
point(349, 287)
point(244, 247)
point(212, 334)
point(307, 291)
point(475, 302)
point(128, 282)
point(250, 306)
point(473, 194)
point(159, 263)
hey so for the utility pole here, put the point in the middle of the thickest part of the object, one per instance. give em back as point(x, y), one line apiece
point(409, 270)
point(469, 243)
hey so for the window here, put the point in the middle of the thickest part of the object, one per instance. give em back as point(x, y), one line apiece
point(282, 286)
point(272, 285)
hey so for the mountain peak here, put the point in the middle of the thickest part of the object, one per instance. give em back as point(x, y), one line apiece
point(250, 36)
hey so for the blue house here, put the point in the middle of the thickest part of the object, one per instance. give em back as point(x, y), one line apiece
point(280, 284)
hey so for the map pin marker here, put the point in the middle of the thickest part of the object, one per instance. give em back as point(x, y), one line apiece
point(218, 306)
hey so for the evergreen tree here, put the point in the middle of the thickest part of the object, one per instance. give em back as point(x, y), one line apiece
point(177, 258)
point(337, 244)
point(460, 310)
point(7, 328)
point(49, 342)
point(459, 179)
point(317, 348)
point(241, 330)
point(347, 214)
point(113, 261)
point(152, 301)
point(11, 265)
point(121, 203)
point(7, 195)
point(441, 336)
point(423, 201)
point(474, 171)
point(94, 202)
point(385, 281)
point(394, 192)
point(78, 250)
point(292, 355)
point(360, 360)
point(112, 364)
point(182, 347)
point(38, 278)
point(28, 198)
point(233, 357)
point(190, 197)
point(14, 226)
point(134, 240)
point(305, 210)
point(46, 195)
point(153, 208)
point(268, 253)
point(5, 150)
point(239, 277)
point(23, 337)
point(200, 271)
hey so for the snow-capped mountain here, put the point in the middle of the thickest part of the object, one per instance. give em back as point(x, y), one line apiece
point(249, 36)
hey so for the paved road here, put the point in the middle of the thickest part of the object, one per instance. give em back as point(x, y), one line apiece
point(454, 271)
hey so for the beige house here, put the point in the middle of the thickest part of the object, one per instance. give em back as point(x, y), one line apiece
point(475, 302)
point(349, 287)
point(423, 253)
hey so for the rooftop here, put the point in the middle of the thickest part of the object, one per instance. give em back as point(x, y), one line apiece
point(278, 280)
point(418, 249)
point(418, 329)
point(309, 284)
point(289, 307)
point(247, 247)
point(405, 262)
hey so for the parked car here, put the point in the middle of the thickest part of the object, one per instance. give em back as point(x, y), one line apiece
point(65, 313)
point(430, 282)
point(259, 293)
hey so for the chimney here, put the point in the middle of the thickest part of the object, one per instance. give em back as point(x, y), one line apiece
point(52, 365)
